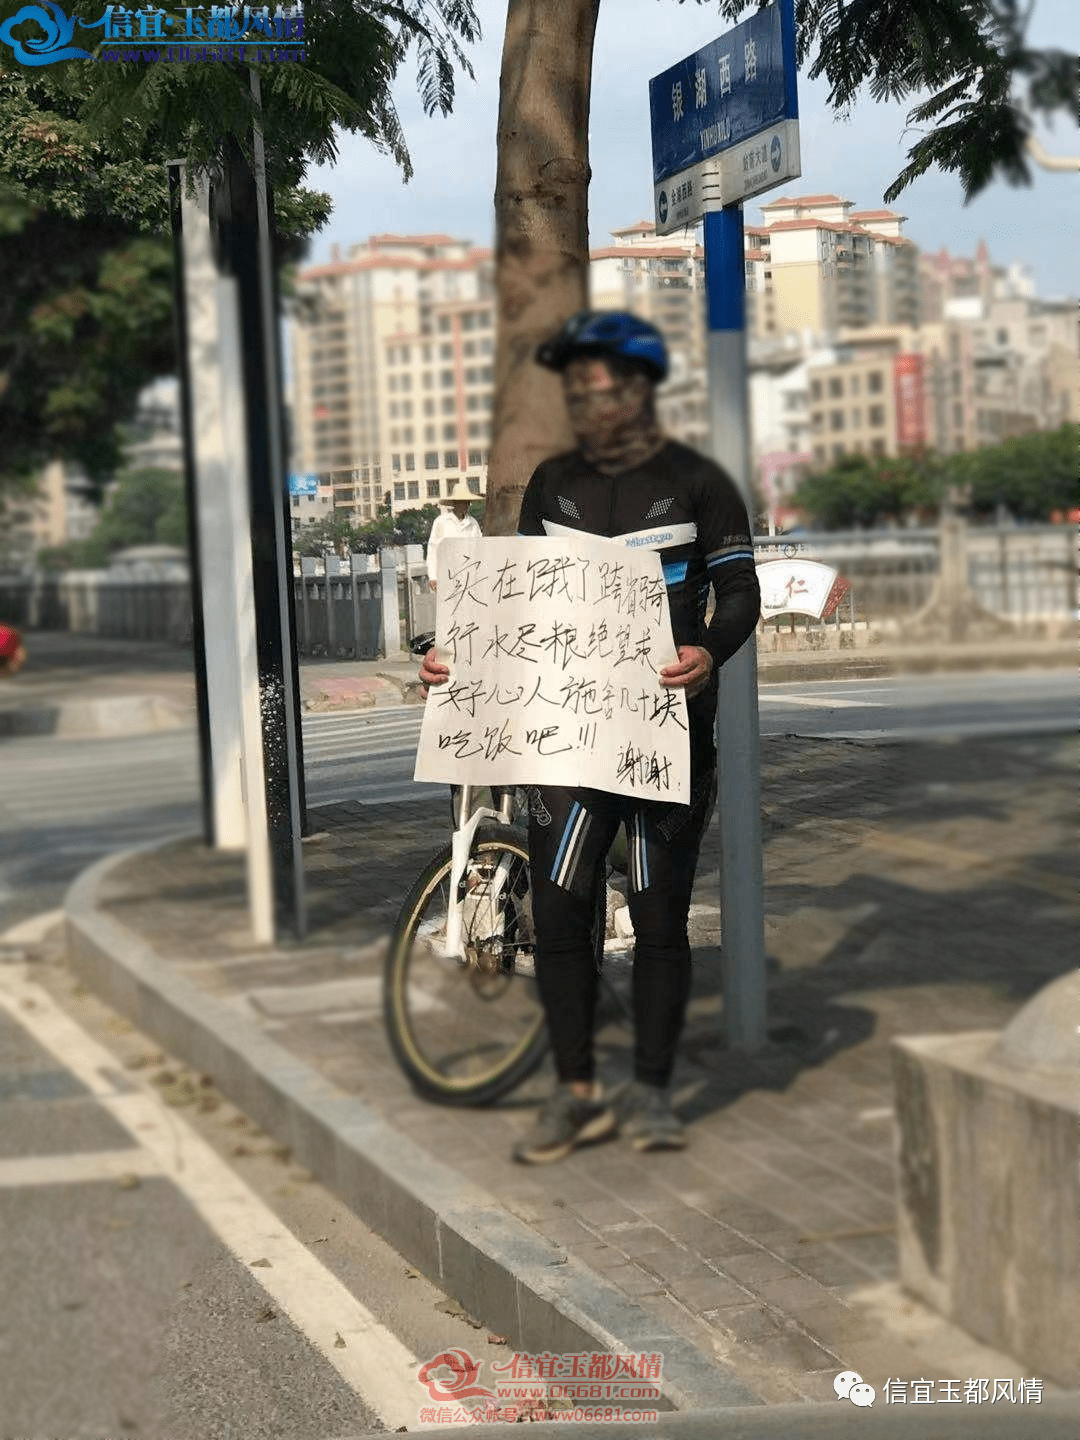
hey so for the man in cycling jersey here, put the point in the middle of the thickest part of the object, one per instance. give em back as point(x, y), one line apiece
point(627, 481)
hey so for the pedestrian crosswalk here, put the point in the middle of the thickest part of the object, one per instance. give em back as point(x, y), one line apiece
point(52, 783)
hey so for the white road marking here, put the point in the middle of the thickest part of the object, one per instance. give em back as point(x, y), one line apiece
point(77, 1169)
point(822, 702)
point(373, 1361)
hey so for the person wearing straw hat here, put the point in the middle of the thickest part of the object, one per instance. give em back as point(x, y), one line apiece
point(452, 522)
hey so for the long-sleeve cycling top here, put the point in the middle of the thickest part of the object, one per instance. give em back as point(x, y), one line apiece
point(679, 503)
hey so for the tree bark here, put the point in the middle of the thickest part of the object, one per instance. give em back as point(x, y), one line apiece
point(541, 233)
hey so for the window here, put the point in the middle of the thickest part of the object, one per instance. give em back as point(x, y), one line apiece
point(404, 382)
point(819, 454)
point(431, 460)
point(399, 490)
point(391, 384)
point(837, 451)
point(472, 375)
point(448, 405)
point(485, 346)
point(414, 489)
point(432, 489)
point(487, 401)
point(407, 435)
point(475, 457)
point(410, 462)
point(486, 373)
point(444, 324)
point(427, 380)
point(1001, 336)
point(426, 354)
point(446, 352)
point(836, 386)
point(836, 419)
point(403, 354)
point(395, 436)
point(468, 320)
point(473, 482)
point(817, 419)
point(472, 402)
point(395, 462)
point(856, 418)
point(876, 415)
point(450, 460)
point(429, 434)
point(854, 385)
point(449, 432)
point(958, 416)
point(877, 447)
point(469, 348)
point(875, 382)
point(446, 379)
point(429, 407)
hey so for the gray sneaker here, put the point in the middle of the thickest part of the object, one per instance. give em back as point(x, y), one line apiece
point(565, 1121)
point(648, 1119)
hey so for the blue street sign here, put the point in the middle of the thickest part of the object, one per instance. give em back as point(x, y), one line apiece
point(722, 94)
point(725, 120)
point(303, 484)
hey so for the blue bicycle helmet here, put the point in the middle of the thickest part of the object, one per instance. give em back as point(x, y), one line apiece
point(606, 332)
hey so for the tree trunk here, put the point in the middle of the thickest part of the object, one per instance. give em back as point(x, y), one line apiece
point(541, 233)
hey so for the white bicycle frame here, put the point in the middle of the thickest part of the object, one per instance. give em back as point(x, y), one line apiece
point(461, 843)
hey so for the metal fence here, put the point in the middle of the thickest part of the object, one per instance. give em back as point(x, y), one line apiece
point(1025, 573)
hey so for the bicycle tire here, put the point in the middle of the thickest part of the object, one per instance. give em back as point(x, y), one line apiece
point(422, 1006)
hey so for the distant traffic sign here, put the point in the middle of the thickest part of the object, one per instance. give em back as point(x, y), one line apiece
point(725, 120)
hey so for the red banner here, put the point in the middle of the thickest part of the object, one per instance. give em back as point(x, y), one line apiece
point(910, 401)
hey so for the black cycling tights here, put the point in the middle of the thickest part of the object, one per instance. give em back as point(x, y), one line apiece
point(570, 833)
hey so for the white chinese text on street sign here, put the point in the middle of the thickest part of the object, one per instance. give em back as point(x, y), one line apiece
point(725, 121)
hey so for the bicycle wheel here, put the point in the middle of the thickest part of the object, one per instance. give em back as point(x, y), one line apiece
point(467, 1030)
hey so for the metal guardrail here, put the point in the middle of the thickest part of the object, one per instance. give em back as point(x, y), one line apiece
point(1021, 572)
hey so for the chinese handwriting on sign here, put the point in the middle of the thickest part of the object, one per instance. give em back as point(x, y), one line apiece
point(554, 649)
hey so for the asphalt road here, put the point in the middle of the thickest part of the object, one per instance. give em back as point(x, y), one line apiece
point(66, 802)
point(167, 1270)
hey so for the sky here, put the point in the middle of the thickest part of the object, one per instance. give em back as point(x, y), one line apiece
point(454, 157)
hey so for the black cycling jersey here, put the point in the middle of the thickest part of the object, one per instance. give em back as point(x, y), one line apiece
point(679, 503)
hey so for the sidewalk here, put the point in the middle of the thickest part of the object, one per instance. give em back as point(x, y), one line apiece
point(86, 685)
point(762, 1261)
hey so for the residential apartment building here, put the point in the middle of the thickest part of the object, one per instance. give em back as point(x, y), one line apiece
point(816, 264)
point(371, 331)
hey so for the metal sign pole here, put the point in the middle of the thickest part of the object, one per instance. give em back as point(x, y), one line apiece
point(741, 888)
point(725, 127)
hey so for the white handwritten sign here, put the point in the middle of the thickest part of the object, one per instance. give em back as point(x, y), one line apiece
point(554, 649)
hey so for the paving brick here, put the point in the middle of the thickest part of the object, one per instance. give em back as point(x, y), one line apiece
point(787, 1145)
point(755, 1268)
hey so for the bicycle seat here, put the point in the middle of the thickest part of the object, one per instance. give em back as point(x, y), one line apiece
point(421, 644)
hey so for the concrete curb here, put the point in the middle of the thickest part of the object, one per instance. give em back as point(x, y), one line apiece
point(100, 715)
point(493, 1264)
point(1054, 1419)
